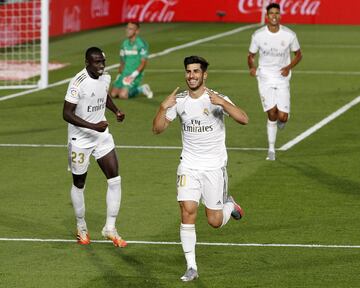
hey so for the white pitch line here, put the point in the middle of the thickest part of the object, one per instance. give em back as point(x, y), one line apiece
point(235, 71)
point(178, 243)
point(164, 52)
point(15, 145)
point(319, 125)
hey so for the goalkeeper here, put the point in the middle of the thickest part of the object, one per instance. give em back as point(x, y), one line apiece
point(133, 58)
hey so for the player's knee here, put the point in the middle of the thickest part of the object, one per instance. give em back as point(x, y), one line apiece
point(123, 94)
point(283, 118)
point(79, 184)
point(215, 222)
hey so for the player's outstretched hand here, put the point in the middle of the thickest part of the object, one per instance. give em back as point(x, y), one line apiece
point(120, 116)
point(170, 100)
point(214, 97)
point(101, 126)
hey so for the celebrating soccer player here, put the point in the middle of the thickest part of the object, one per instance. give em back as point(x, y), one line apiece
point(133, 58)
point(88, 134)
point(201, 174)
point(274, 43)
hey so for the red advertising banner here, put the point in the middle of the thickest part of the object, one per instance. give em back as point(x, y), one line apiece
point(293, 11)
point(76, 15)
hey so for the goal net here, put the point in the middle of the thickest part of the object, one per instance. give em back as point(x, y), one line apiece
point(23, 43)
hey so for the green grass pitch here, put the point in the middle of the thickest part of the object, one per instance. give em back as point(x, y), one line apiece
point(309, 195)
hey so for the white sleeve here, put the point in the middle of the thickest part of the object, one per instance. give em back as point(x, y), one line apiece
point(228, 100)
point(254, 48)
point(294, 45)
point(171, 113)
point(73, 93)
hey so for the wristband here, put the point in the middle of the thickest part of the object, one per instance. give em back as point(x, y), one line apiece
point(134, 74)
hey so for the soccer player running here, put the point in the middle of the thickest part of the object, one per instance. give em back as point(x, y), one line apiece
point(88, 134)
point(201, 174)
point(274, 43)
point(134, 53)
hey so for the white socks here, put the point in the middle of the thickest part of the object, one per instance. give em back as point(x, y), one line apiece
point(188, 241)
point(271, 132)
point(77, 198)
point(227, 209)
point(113, 199)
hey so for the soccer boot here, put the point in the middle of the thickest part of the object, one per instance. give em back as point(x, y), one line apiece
point(238, 212)
point(82, 236)
point(114, 237)
point(190, 274)
point(147, 91)
point(271, 156)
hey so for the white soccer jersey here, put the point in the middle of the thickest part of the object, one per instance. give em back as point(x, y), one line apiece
point(202, 129)
point(274, 52)
point(90, 96)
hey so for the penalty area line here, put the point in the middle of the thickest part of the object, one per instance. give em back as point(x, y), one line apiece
point(320, 124)
point(179, 243)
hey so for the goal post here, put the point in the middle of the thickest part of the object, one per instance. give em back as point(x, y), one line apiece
point(24, 44)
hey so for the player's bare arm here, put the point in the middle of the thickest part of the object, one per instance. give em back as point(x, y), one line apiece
point(286, 70)
point(120, 116)
point(160, 123)
point(234, 112)
point(70, 117)
point(251, 64)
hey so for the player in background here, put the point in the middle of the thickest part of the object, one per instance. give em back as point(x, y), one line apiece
point(88, 134)
point(201, 174)
point(274, 43)
point(134, 52)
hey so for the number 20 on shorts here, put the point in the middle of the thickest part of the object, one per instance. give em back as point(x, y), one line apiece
point(181, 180)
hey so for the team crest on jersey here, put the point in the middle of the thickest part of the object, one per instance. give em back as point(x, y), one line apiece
point(206, 112)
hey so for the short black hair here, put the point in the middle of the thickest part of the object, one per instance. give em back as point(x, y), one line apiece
point(92, 50)
point(196, 60)
point(272, 5)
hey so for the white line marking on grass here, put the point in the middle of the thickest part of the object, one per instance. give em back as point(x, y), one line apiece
point(178, 243)
point(238, 71)
point(120, 147)
point(319, 125)
point(164, 52)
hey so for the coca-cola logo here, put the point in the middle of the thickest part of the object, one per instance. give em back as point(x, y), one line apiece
point(71, 19)
point(292, 7)
point(151, 11)
point(100, 8)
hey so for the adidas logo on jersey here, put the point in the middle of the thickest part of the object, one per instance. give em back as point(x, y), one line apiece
point(218, 203)
point(92, 94)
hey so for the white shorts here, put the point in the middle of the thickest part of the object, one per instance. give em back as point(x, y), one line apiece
point(209, 186)
point(275, 95)
point(79, 158)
